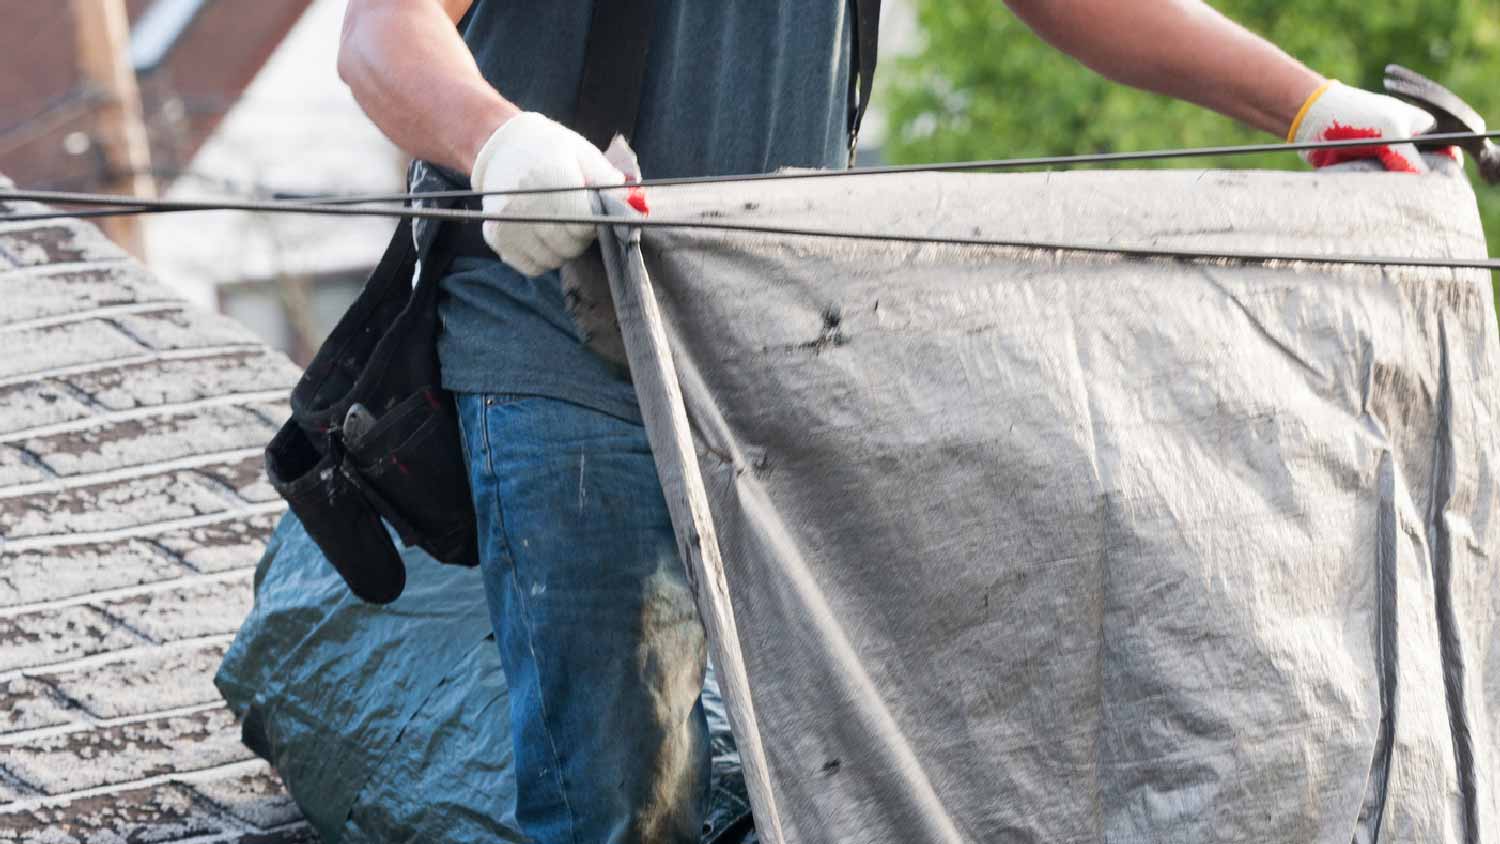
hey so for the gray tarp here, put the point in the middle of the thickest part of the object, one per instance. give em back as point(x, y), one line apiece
point(999, 545)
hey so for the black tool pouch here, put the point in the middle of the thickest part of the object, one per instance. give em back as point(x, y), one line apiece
point(373, 439)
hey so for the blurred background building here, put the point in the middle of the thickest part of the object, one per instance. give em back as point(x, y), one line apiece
point(84, 82)
point(194, 98)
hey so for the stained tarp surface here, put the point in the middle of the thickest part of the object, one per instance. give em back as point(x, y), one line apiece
point(1012, 545)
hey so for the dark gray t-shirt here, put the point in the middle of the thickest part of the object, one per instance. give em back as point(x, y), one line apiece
point(732, 86)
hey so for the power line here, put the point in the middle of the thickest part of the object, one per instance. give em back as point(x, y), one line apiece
point(451, 214)
point(356, 205)
point(58, 113)
point(1444, 139)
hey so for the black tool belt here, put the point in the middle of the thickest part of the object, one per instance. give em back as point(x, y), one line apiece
point(374, 436)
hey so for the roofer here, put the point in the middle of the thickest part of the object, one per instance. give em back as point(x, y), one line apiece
point(599, 636)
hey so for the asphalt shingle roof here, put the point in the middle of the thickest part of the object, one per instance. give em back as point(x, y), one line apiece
point(132, 513)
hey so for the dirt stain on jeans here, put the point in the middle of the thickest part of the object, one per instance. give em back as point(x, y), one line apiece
point(672, 659)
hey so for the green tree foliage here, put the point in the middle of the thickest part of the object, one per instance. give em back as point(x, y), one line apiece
point(982, 86)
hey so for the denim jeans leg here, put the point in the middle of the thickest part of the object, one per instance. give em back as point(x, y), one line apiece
point(599, 636)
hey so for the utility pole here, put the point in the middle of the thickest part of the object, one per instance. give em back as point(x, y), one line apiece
point(102, 30)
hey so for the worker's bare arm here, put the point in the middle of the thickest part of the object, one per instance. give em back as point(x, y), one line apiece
point(1182, 48)
point(412, 74)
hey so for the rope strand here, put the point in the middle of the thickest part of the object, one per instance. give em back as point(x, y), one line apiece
point(1451, 138)
point(361, 206)
point(451, 214)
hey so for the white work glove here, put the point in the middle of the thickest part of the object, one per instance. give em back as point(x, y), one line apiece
point(531, 151)
point(1337, 112)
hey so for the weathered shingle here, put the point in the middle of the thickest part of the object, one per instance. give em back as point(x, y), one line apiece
point(132, 511)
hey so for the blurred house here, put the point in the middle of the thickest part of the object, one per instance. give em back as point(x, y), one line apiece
point(234, 97)
point(191, 60)
point(295, 131)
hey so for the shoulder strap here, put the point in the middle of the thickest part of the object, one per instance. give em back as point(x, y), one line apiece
point(618, 46)
point(862, 74)
point(614, 69)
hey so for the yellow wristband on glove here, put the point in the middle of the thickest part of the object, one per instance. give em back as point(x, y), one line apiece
point(1291, 134)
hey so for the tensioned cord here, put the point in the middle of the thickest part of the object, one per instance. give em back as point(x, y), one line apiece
point(1449, 138)
point(356, 206)
point(800, 231)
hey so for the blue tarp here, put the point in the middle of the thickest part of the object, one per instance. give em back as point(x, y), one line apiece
point(389, 723)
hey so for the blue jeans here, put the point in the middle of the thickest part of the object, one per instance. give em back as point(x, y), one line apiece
point(599, 636)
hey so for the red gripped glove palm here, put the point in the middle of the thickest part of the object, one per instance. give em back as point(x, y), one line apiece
point(1337, 112)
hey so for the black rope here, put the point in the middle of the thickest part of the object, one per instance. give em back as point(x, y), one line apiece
point(1445, 139)
point(351, 206)
point(452, 214)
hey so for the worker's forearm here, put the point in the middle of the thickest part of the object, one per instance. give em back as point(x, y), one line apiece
point(412, 74)
point(1182, 48)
